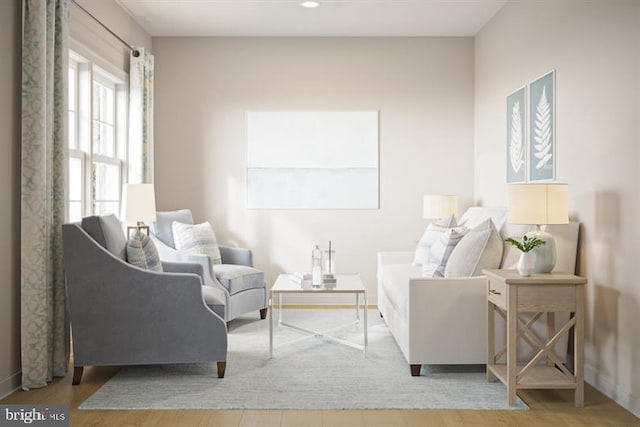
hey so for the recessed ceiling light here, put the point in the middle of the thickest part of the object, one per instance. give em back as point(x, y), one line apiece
point(310, 4)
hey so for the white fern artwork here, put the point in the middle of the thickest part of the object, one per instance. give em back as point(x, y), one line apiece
point(543, 132)
point(516, 146)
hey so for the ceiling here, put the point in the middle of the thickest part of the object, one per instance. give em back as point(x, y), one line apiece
point(349, 18)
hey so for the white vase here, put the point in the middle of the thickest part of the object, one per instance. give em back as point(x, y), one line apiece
point(526, 263)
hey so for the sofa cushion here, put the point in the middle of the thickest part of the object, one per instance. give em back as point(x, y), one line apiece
point(430, 235)
point(480, 248)
point(440, 252)
point(395, 283)
point(107, 231)
point(163, 225)
point(238, 278)
point(196, 239)
point(476, 215)
point(142, 252)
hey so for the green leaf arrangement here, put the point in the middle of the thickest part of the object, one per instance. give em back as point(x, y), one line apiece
point(527, 244)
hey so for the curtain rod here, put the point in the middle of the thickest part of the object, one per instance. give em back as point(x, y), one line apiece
point(135, 52)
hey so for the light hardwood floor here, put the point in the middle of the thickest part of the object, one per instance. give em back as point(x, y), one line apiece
point(548, 408)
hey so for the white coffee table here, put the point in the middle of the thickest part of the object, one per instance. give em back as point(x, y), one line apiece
point(346, 284)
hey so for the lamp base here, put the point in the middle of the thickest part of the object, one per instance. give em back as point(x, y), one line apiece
point(137, 228)
point(545, 254)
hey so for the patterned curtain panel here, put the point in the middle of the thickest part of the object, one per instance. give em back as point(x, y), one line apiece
point(45, 331)
point(141, 118)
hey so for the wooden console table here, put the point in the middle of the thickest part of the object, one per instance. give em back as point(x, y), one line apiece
point(510, 294)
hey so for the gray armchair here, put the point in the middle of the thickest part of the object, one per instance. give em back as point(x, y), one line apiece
point(240, 286)
point(123, 315)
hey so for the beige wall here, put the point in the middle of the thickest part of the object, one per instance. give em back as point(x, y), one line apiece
point(423, 88)
point(595, 48)
point(10, 17)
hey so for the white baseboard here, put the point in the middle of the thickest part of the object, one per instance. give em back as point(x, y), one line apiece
point(10, 384)
point(623, 398)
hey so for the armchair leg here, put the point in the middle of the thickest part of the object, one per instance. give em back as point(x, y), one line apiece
point(77, 374)
point(415, 370)
point(263, 313)
point(221, 368)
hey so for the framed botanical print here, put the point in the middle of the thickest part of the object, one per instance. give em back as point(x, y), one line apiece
point(542, 128)
point(516, 136)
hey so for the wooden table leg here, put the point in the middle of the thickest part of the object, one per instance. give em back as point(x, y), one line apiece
point(578, 342)
point(491, 340)
point(512, 343)
point(551, 331)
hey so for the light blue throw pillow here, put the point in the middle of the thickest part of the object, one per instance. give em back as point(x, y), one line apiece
point(142, 252)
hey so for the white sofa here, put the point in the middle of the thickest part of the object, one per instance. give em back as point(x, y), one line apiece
point(439, 321)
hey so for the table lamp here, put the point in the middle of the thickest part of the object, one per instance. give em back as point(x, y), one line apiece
point(537, 204)
point(436, 206)
point(139, 206)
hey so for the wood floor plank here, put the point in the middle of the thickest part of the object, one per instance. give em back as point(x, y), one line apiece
point(261, 418)
point(383, 418)
point(301, 419)
point(342, 419)
point(221, 419)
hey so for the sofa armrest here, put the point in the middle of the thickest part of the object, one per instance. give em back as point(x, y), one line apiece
point(390, 258)
point(451, 312)
point(237, 256)
point(183, 267)
point(172, 256)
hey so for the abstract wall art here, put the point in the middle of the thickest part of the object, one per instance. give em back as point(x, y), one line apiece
point(312, 160)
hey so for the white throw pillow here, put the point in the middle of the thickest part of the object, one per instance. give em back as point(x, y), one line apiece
point(196, 239)
point(431, 234)
point(440, 251)
point(481, 248)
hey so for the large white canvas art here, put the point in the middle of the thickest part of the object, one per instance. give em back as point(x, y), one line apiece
point(312, 159)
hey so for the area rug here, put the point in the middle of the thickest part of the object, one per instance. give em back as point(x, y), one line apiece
point(311, 373)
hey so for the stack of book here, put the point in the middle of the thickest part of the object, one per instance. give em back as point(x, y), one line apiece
point(303, 279)
point(329, 281)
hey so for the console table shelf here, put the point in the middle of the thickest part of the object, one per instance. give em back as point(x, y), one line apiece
point(538, 377)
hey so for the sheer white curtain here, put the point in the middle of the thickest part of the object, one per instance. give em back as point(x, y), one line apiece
point(44, 329)
point(141, 118)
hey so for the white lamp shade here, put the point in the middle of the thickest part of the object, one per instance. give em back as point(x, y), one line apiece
point(538, 204)
point(139, 203)
point(439, 205)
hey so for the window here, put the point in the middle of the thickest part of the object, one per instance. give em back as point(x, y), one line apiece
point(97, 140)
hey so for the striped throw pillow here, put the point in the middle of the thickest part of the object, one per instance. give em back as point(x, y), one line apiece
point(480, 248)
point(142, 252)
point(196, 239)
point(441, 250)
point(431, 234)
